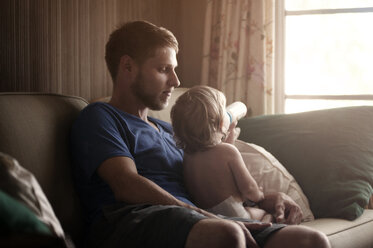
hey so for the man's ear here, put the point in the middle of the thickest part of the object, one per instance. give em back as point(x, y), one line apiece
point(126, 63)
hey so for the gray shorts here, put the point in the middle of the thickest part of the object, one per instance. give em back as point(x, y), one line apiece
point(151, 226)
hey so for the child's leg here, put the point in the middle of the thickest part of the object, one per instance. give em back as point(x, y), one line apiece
point(268, 218)
point(260, 214)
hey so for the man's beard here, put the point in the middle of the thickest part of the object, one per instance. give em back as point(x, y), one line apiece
point(153, 102)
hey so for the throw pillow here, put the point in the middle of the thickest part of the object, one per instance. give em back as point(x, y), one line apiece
point(17, 218)
point(22, 185)
point(329, 153)
point(272, 176)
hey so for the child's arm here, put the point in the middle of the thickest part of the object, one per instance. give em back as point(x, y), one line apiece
point(246, 184)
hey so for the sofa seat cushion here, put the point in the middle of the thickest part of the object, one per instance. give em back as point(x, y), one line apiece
point(347, 234)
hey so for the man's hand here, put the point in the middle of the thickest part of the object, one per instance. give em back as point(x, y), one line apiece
point(282, 207)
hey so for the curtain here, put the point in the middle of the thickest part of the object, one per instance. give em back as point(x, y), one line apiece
point(238, 52)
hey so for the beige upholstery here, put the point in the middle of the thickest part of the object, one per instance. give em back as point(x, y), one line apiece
point(164, 114)
point(347, 234)
point(34, 129)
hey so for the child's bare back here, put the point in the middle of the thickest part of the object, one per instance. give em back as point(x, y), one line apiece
point(219, 174)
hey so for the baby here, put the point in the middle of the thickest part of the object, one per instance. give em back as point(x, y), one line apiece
point(215, 174)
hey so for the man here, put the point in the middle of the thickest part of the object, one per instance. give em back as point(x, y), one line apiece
point(128, 171)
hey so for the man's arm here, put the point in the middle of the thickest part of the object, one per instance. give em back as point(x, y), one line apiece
point(121, 175)
point(128, 186)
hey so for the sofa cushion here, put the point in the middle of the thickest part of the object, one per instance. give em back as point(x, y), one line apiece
point(344, 233)
point(329, 152)
point(163, 114)
point(272, 176)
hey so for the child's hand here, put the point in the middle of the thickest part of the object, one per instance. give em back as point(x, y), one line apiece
point(232, 133)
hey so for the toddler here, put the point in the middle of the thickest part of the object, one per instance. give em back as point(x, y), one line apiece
point(215, 174)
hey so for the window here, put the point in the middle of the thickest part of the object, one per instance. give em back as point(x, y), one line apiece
point(324, 54)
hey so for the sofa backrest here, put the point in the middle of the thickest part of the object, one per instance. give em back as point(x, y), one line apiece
point(164, 114)
point(34, 129)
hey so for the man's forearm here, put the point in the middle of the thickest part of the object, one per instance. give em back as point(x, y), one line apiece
point(149, 192)
point(130, 187)
point(138, 189)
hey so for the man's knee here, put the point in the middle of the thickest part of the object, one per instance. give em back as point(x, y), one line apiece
point(216, 233)
point(317, 239)
point(311, 238)
point(298, 236)
point(231, 235)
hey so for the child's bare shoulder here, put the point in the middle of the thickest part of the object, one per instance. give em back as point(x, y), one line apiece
point(227, 148)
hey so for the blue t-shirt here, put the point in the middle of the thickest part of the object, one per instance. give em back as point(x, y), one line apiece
point(101, 132)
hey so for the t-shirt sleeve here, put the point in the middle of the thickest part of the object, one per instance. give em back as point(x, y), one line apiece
point(96, 137)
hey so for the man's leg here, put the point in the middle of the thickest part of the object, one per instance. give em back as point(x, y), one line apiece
point(216, 233)
point(297, 236)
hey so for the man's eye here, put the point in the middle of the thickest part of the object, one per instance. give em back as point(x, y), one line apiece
point(164, 69)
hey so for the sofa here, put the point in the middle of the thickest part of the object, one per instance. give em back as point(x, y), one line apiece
point(34, 129)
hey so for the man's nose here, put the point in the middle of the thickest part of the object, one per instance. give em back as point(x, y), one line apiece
point(174, 80)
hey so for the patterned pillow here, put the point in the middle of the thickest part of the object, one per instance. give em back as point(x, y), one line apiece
point(17, 218)
point(20, 184)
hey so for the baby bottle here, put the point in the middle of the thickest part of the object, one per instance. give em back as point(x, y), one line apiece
point(236, 111)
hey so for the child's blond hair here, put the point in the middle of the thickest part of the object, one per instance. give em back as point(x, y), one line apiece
point(197, 117)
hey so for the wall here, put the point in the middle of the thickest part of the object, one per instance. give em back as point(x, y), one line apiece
point(55, 46)
point(58, 45)
point(191, 41)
